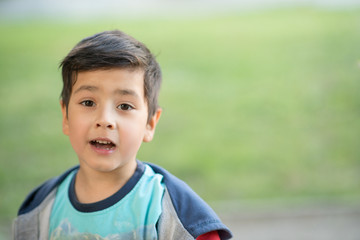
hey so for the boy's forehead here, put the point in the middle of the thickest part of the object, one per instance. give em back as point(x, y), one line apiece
point(120, 81)
point(129, 70)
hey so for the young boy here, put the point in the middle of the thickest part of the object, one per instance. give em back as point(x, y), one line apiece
point(109, 106)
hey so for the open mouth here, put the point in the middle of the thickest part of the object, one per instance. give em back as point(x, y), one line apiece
point(103, 144)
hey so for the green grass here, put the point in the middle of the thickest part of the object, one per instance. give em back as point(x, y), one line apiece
point(260, 105)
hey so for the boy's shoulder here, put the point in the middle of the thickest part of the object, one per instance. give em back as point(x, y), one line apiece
point(182, 204)
point(37, 195)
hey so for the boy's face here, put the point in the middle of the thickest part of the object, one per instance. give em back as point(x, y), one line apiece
point(106, 119)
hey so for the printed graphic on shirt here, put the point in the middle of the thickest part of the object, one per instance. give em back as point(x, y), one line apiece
point(66, 231)
point(132, 216)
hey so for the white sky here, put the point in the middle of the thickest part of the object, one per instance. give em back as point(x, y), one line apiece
point(23, 9)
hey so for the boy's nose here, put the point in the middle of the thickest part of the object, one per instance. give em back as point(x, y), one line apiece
point(106, 120)
point(105, 125)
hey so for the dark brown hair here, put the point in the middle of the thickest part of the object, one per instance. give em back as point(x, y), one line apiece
point(112, 49)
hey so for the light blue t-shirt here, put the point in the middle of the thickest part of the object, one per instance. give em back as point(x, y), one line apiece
point(131, 213)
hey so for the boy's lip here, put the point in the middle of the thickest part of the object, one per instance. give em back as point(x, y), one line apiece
point(102, 145)
point(103, 140)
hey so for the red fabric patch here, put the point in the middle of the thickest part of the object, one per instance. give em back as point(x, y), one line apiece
point(209, 236)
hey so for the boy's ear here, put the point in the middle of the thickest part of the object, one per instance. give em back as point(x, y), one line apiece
point(151, 125)
point(65, 122)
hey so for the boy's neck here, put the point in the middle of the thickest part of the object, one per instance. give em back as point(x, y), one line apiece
point(92, 186)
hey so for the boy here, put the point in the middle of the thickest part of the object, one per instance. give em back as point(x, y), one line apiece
point(109, 105)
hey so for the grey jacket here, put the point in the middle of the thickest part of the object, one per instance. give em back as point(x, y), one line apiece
point(184, 214)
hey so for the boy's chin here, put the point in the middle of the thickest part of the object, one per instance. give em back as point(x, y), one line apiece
point(109, 167)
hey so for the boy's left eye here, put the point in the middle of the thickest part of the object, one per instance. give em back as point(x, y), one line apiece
point(88, 103)
point(125, 107)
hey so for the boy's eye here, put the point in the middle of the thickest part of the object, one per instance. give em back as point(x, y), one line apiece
point(125, 107)
point(88, 103)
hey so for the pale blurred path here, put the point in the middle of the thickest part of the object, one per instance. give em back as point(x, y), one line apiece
point(306, 223)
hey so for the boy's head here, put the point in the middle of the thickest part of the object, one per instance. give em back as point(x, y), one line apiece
point(112, 49)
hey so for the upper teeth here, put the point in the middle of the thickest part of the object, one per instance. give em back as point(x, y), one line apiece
point(102, 142)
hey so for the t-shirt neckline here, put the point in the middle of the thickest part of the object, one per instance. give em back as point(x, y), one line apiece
point(110, 201)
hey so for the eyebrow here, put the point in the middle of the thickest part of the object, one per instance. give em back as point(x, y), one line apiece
point(86, 88)
point(122, 92)
point(125, 92)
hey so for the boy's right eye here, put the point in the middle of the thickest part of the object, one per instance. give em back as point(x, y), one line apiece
point(87, 103)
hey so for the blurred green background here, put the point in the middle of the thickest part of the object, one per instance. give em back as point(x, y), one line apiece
point(257, 105)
